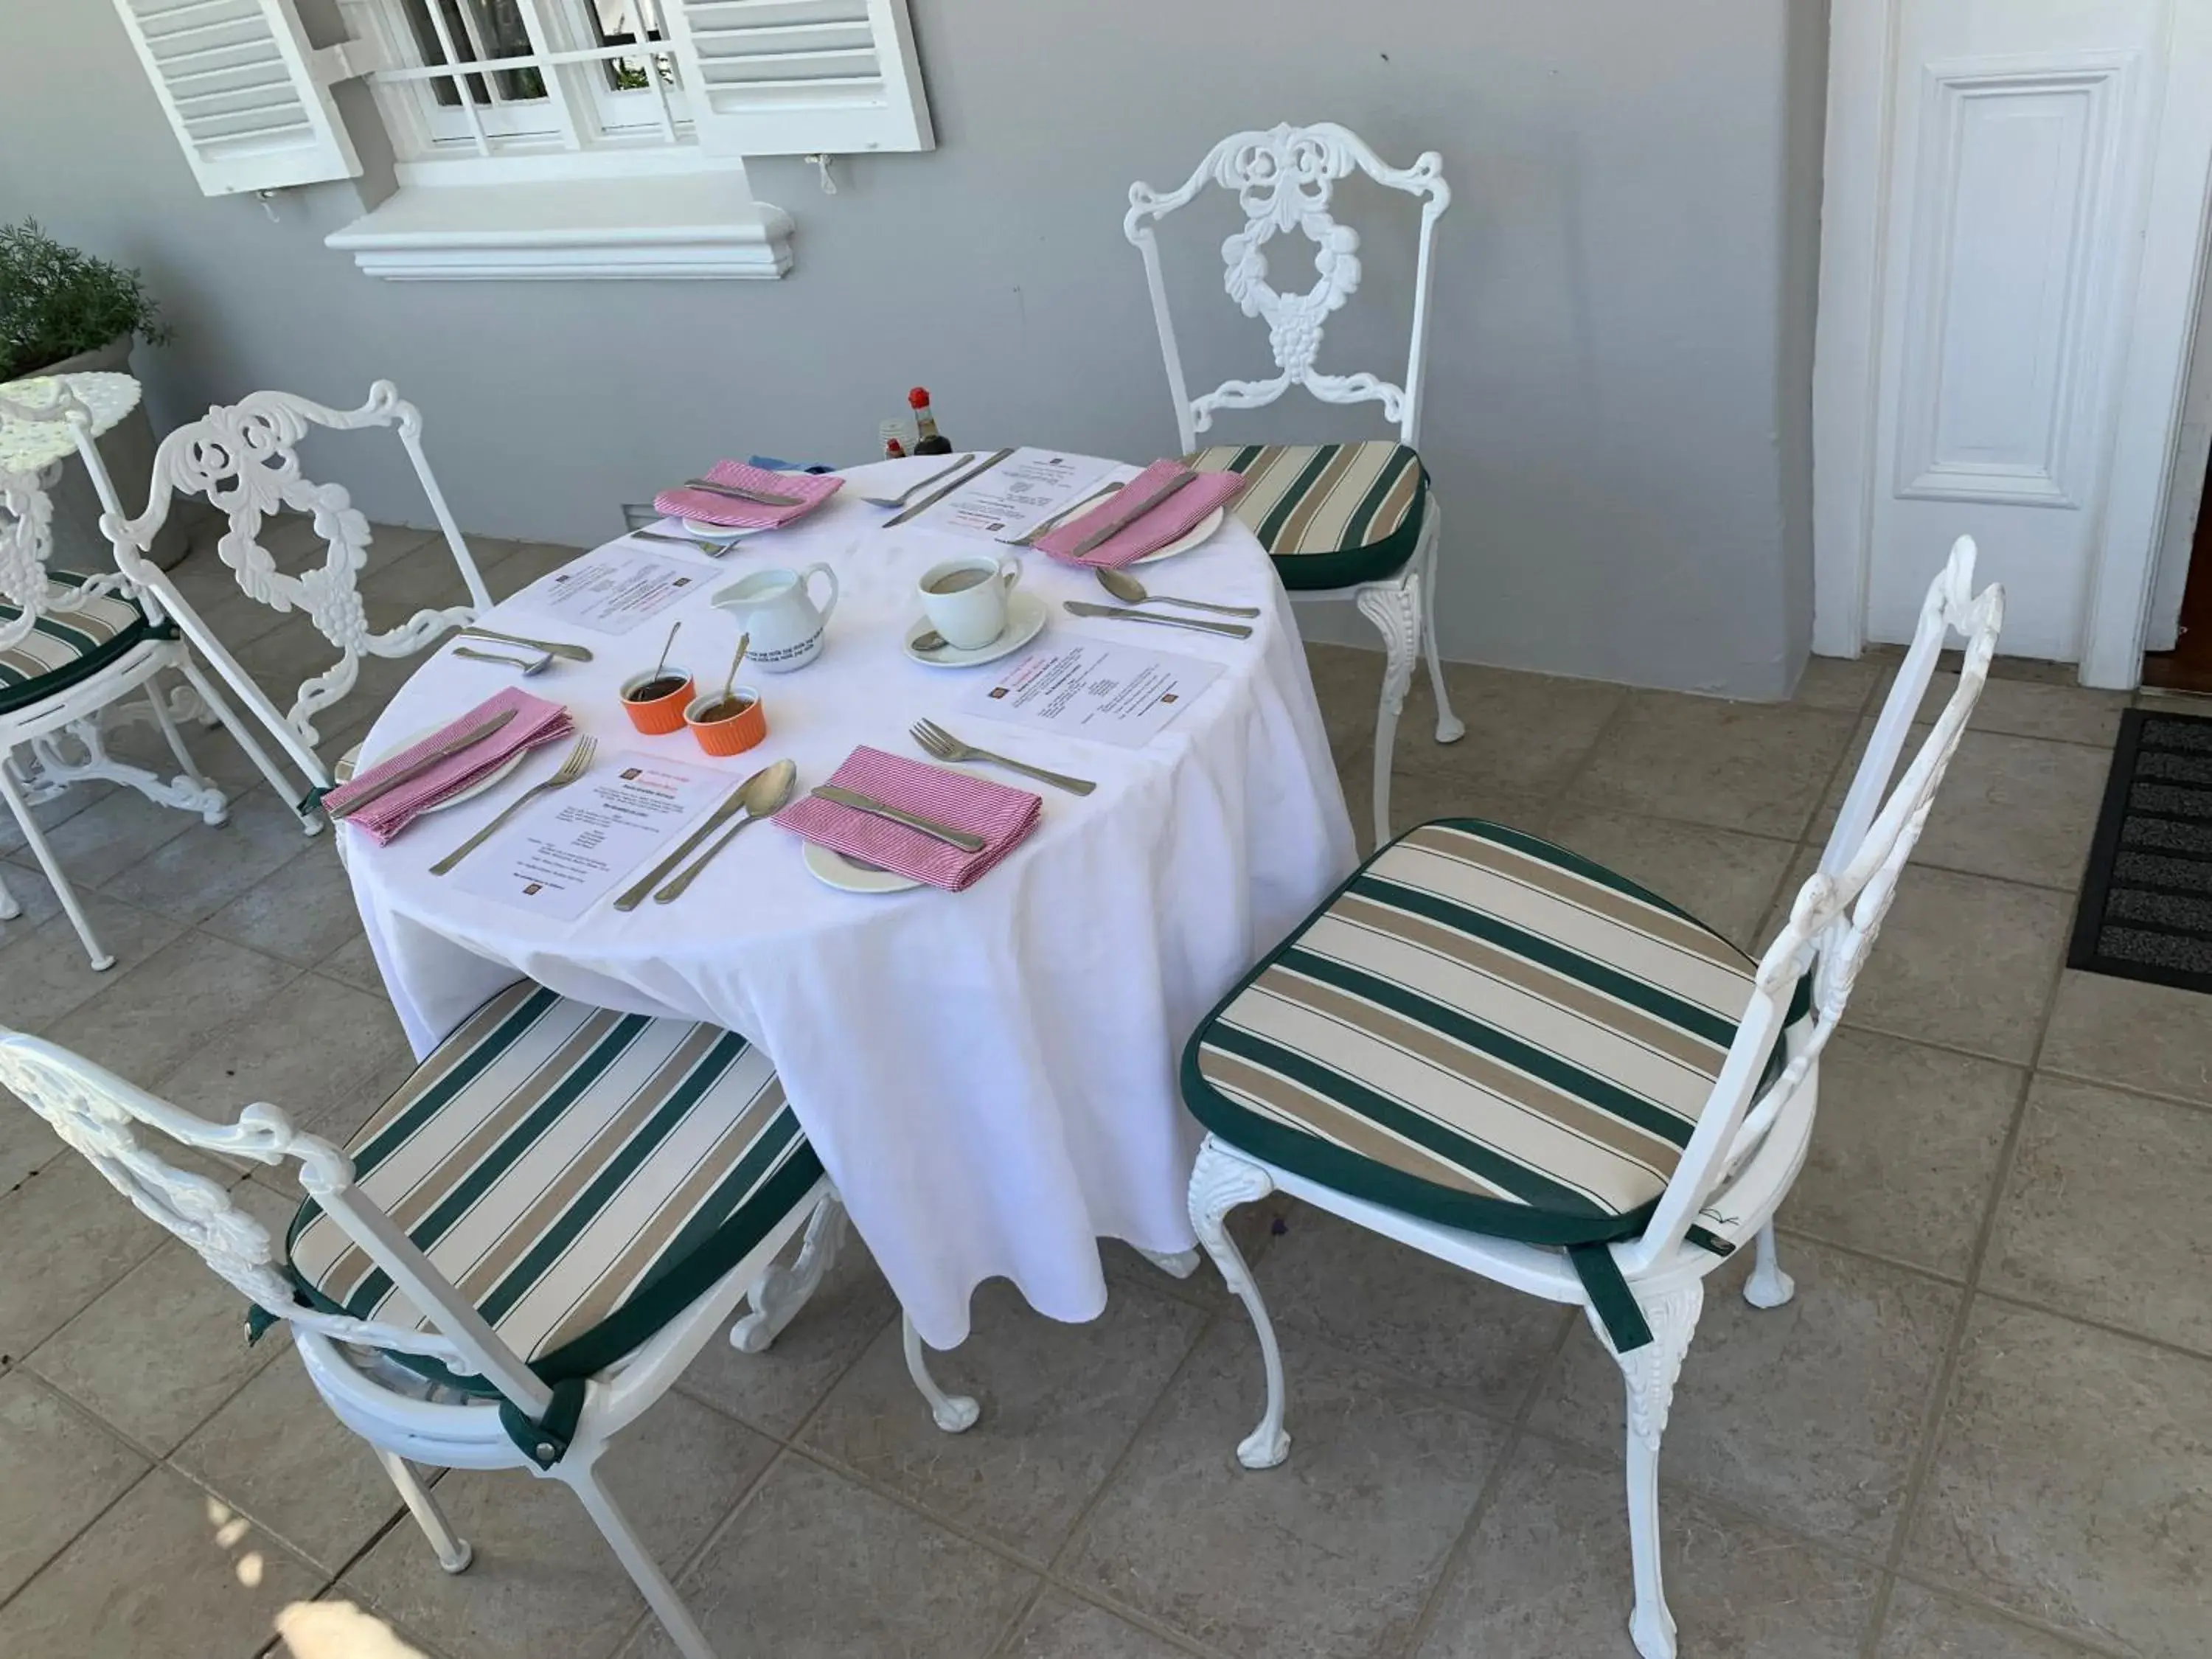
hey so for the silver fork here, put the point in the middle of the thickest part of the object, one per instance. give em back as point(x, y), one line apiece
point(712, 549)
point(920, 484)
point(934, 740)
point(1028, 538)
point(578, 763)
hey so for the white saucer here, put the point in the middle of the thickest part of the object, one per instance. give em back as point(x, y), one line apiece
point(495, 775)
point(1191, 537)
point(1025, 618)
point(707, 530)
point(832, 868)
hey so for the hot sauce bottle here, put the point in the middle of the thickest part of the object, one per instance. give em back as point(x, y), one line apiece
point(931, 441)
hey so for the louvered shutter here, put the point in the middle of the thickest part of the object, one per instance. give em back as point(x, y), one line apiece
point(787, 77)
point(248, 97)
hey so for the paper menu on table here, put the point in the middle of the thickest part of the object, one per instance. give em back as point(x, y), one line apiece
point(571, 848)
point(612, 592)
point(1027, 487)
point(1098, 689)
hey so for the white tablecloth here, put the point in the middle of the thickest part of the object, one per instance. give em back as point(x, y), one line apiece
point(988, 1076)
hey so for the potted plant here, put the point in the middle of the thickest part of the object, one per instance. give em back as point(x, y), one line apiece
point(63, 312)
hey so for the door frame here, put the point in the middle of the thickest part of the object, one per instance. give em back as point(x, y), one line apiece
point(1861, 129)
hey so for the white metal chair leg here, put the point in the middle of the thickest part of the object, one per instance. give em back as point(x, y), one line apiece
point(1394, 607)
point(1182, 1264)
point(287, 791)
point(175, 740)
point(9, 908)
point(645, 1572)
point(101, 960)
point(1218, 1183)
point(1768, 1286)
point(955, 1413)
point(1650, 1372)
point(1450, 728)
point(780, 1292)
point(453, 1551)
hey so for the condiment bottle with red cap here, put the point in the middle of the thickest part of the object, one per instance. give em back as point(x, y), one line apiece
point(932, 442)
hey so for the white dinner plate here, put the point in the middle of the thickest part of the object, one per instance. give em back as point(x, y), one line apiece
point(1026, 614)
point(497, 772)
point(833, 869)
point(1191, 537)
point(706, 530)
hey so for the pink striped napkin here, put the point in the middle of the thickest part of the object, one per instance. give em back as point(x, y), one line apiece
point(536, 723)
point(1003, 816)
point(1152, 530)
point(812, 489)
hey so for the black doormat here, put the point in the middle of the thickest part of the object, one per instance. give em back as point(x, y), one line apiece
point(2147, 903)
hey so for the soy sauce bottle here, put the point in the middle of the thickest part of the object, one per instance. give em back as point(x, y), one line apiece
point(931, 441)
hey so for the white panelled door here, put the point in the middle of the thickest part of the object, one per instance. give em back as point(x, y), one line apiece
point(2008, 204)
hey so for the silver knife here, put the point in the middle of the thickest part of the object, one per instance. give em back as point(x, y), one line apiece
point(631, 897)
point(936, 495)
point(1123, 613)
point(445, 751)
point(1129, 515)
point(573, 652)
point(930, 827)
point(758, 497)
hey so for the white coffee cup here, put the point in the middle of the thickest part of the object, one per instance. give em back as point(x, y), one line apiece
point(966, 598)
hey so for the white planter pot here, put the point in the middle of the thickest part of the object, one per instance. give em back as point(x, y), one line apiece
point(128, 452)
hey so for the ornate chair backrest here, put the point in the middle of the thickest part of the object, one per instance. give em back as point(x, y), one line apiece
point(244, 458)
point(101, 1116)
point(1284, 179)
point(1833, 924)
point(36, 430)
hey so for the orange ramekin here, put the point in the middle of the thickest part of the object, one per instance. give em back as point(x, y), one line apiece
point(732, 734)
point(664, 714)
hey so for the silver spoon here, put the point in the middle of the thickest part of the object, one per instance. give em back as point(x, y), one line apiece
point(528, 665)
point(1127, 589)
point(762, 795)
point(729, 680)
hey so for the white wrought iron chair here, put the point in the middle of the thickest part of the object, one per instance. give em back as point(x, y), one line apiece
point(1356, 521)
point(244, 458)
point(528, 1339)
point(1525, 1065)
point(80, 652)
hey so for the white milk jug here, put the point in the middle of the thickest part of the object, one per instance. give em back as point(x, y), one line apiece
point(776, 608)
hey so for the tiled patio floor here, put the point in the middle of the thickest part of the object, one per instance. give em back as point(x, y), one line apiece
point(1982, 1429)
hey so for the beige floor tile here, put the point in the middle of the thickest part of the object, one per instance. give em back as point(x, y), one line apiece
point(1963, 960)
point(46, 975)
point(1547, 1573)
point(301, 913)
point(2122, 1030)
point(1418, 794)
point(1924, 1624)
point(1348, 683)
point(1840, 683)
point(53, 814)
point(1755, 767)
point(424, 577)
point(507, 568)
point(278, 1453)
point(1725, 879)
point(147, 1019)
point(1253, 1226)
point(2103, 1215)
point(67, 1235)
point(199, 873)
point(2021, 808)
point(1808, 1413)
point(1061, 1402)
point(818, 1568)
point(2069, 1481)
point(113, 833)
point(34, 899)
point(303, 1048)
point(1524, 732)
point(167, 1572)
point(1061, 1627)
point(338, 1627)
point(543, 1582)
point(2070, 713)
point(28, 1143)
point(58, 1469)
point(1332, 1553)
point(354, 963)
point(158, 1352)
point(1389, 1307)
point(1905, 1154)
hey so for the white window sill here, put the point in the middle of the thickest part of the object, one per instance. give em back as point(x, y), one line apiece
point(702, 224)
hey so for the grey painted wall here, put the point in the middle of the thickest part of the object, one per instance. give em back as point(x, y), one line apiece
point(1617, 411)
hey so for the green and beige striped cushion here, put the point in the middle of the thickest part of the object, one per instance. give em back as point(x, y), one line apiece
point(580, 1175)
point(1329, 515)
point(65, 646)
point(1483, 1029)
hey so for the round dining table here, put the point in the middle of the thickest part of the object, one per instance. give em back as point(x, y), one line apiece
point(989, 1075)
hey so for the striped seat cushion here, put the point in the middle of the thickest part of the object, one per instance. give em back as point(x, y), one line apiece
point(580, 1175)
point(1330, 515)
point(1482, 1029)
point(65, 646)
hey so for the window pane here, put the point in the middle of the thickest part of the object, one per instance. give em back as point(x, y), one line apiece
point(630, 22)
point(481, 30)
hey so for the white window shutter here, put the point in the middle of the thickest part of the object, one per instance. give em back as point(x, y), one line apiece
point(249, 98)
point(790, 77)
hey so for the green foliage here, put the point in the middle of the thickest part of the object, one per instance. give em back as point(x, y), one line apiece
point(56, 301)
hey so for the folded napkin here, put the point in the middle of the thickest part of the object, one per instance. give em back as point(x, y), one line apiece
point(1003, 816)
point(536, 723)
point(1152, 530)
point(811, 489)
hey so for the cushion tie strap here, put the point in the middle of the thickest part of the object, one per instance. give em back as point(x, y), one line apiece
point(1705, 1239)
point(312, 802)
point(1610, 1298)
point(545, 1442)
